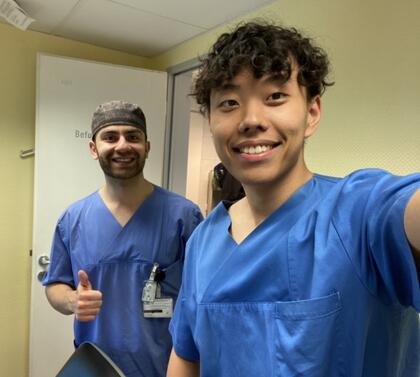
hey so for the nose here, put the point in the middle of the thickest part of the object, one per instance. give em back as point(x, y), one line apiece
point(122, 144)
point(252, 117)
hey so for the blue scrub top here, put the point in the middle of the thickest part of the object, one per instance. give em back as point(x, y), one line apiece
point(325, 286)
point(118, 260)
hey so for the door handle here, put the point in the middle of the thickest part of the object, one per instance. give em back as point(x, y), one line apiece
point(44, 260)
point(41, 275)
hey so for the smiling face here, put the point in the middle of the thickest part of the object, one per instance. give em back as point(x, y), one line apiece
point(259, 127)
point(121, 151)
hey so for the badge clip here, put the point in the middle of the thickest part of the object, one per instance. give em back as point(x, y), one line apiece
point(155, 306)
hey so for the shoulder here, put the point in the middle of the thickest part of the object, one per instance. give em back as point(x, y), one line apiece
point(372, 176)
point(173, 199)
point(366, 181)
point(74, 210)
point(360, 196)
point(379, 184)
point(218, 217)
point(365, 197)
point(367, 176)
point(362, 175)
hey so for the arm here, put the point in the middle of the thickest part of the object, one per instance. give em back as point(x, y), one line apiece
point(61, 297)
point(412, 227)
point(179, 367)
point(84, 302)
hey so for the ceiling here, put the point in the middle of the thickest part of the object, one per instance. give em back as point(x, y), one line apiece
point(141, 27)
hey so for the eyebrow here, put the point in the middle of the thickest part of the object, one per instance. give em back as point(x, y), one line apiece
point(273, 78)
point(226, 87)
point(136, 131)
point(276, 78)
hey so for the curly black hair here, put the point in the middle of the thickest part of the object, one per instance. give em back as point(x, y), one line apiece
point(265, 49)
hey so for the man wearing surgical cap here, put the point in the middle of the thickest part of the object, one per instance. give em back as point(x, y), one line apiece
point(117, 255)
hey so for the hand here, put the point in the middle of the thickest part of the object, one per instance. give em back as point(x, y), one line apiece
point(88, 301)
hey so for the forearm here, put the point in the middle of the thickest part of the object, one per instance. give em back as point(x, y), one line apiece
point(412, 226)
point(61, 297)
point(179, 367)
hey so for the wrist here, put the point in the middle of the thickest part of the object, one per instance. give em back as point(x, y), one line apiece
point(71, 301)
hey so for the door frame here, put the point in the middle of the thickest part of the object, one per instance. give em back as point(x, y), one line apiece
point(173, 72)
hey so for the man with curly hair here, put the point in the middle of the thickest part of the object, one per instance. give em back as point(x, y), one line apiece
point(307, 275)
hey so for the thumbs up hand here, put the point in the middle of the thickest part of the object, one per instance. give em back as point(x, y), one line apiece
point(88, 301)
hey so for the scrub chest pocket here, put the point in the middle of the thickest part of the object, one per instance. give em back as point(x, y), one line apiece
point(295, 338)
point(307, 333)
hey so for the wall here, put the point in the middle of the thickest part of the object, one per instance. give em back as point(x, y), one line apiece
point(370, 116)
point(17, 128)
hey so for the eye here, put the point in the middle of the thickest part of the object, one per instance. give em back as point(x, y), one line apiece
point(276, 97)
point(109, 138)
point(228, 104)
point(133, 138)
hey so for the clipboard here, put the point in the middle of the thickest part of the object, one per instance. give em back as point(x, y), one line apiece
point(88, 360)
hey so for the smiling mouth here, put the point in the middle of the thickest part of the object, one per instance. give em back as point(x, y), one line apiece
point(256, 149)
point(123, 160)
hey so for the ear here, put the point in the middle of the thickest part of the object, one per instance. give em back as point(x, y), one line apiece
point(314, 116)
point(207, 117)
point(147, 148)
point(93, 151)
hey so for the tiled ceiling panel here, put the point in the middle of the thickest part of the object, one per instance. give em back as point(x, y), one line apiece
point(141, 27)
point(107, 24)
point(203, 13)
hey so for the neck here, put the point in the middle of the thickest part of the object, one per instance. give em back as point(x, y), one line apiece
point(128, 193)
point(263, 200)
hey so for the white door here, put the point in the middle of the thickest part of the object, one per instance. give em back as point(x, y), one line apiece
point(68, 91)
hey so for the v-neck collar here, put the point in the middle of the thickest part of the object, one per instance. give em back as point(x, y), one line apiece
point(289, 212)
point(135, 213)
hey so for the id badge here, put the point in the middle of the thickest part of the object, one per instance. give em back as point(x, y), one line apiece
point(158, 308)
point(155, 306)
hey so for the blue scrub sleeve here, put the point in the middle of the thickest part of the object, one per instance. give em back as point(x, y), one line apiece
point(379, 249)
point(182, 322)
point(180, 329)
point(60, 268)
point(191, 221)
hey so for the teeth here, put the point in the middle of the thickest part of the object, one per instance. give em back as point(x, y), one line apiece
point(255, 149)
point(123, 159)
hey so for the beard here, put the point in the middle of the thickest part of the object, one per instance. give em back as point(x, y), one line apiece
point(111, 169)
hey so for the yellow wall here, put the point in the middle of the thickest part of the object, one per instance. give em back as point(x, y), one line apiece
point(371, 116)
point(17, 126)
